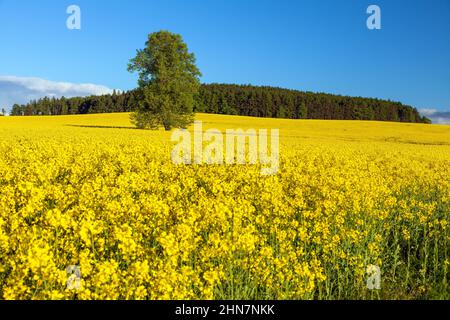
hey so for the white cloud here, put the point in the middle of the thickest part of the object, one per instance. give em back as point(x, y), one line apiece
point(427, 112)
point(438, 117)
point(21, 90)
point(441, 119)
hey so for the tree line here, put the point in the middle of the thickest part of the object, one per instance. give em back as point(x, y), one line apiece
point(245, 100)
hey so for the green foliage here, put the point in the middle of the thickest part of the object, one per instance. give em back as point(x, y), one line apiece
point(425, 120)
point(123, 102)
point(281, 113)
point(303, 112)
point(283, 103)
point(242, 100)
point(168, 82)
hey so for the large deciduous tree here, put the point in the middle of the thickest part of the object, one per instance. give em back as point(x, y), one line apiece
point(168, 82)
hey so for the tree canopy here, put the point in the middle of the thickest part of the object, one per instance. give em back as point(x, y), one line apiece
point(168, 82)
point(241, 100)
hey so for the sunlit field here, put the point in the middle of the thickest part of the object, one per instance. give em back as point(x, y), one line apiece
point(92, 191)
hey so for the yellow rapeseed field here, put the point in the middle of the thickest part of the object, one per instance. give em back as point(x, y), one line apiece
point(91, 191)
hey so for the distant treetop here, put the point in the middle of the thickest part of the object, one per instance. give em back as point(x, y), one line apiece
point(245, 100)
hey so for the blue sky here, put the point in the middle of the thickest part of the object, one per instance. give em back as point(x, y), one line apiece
point(314, 45)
